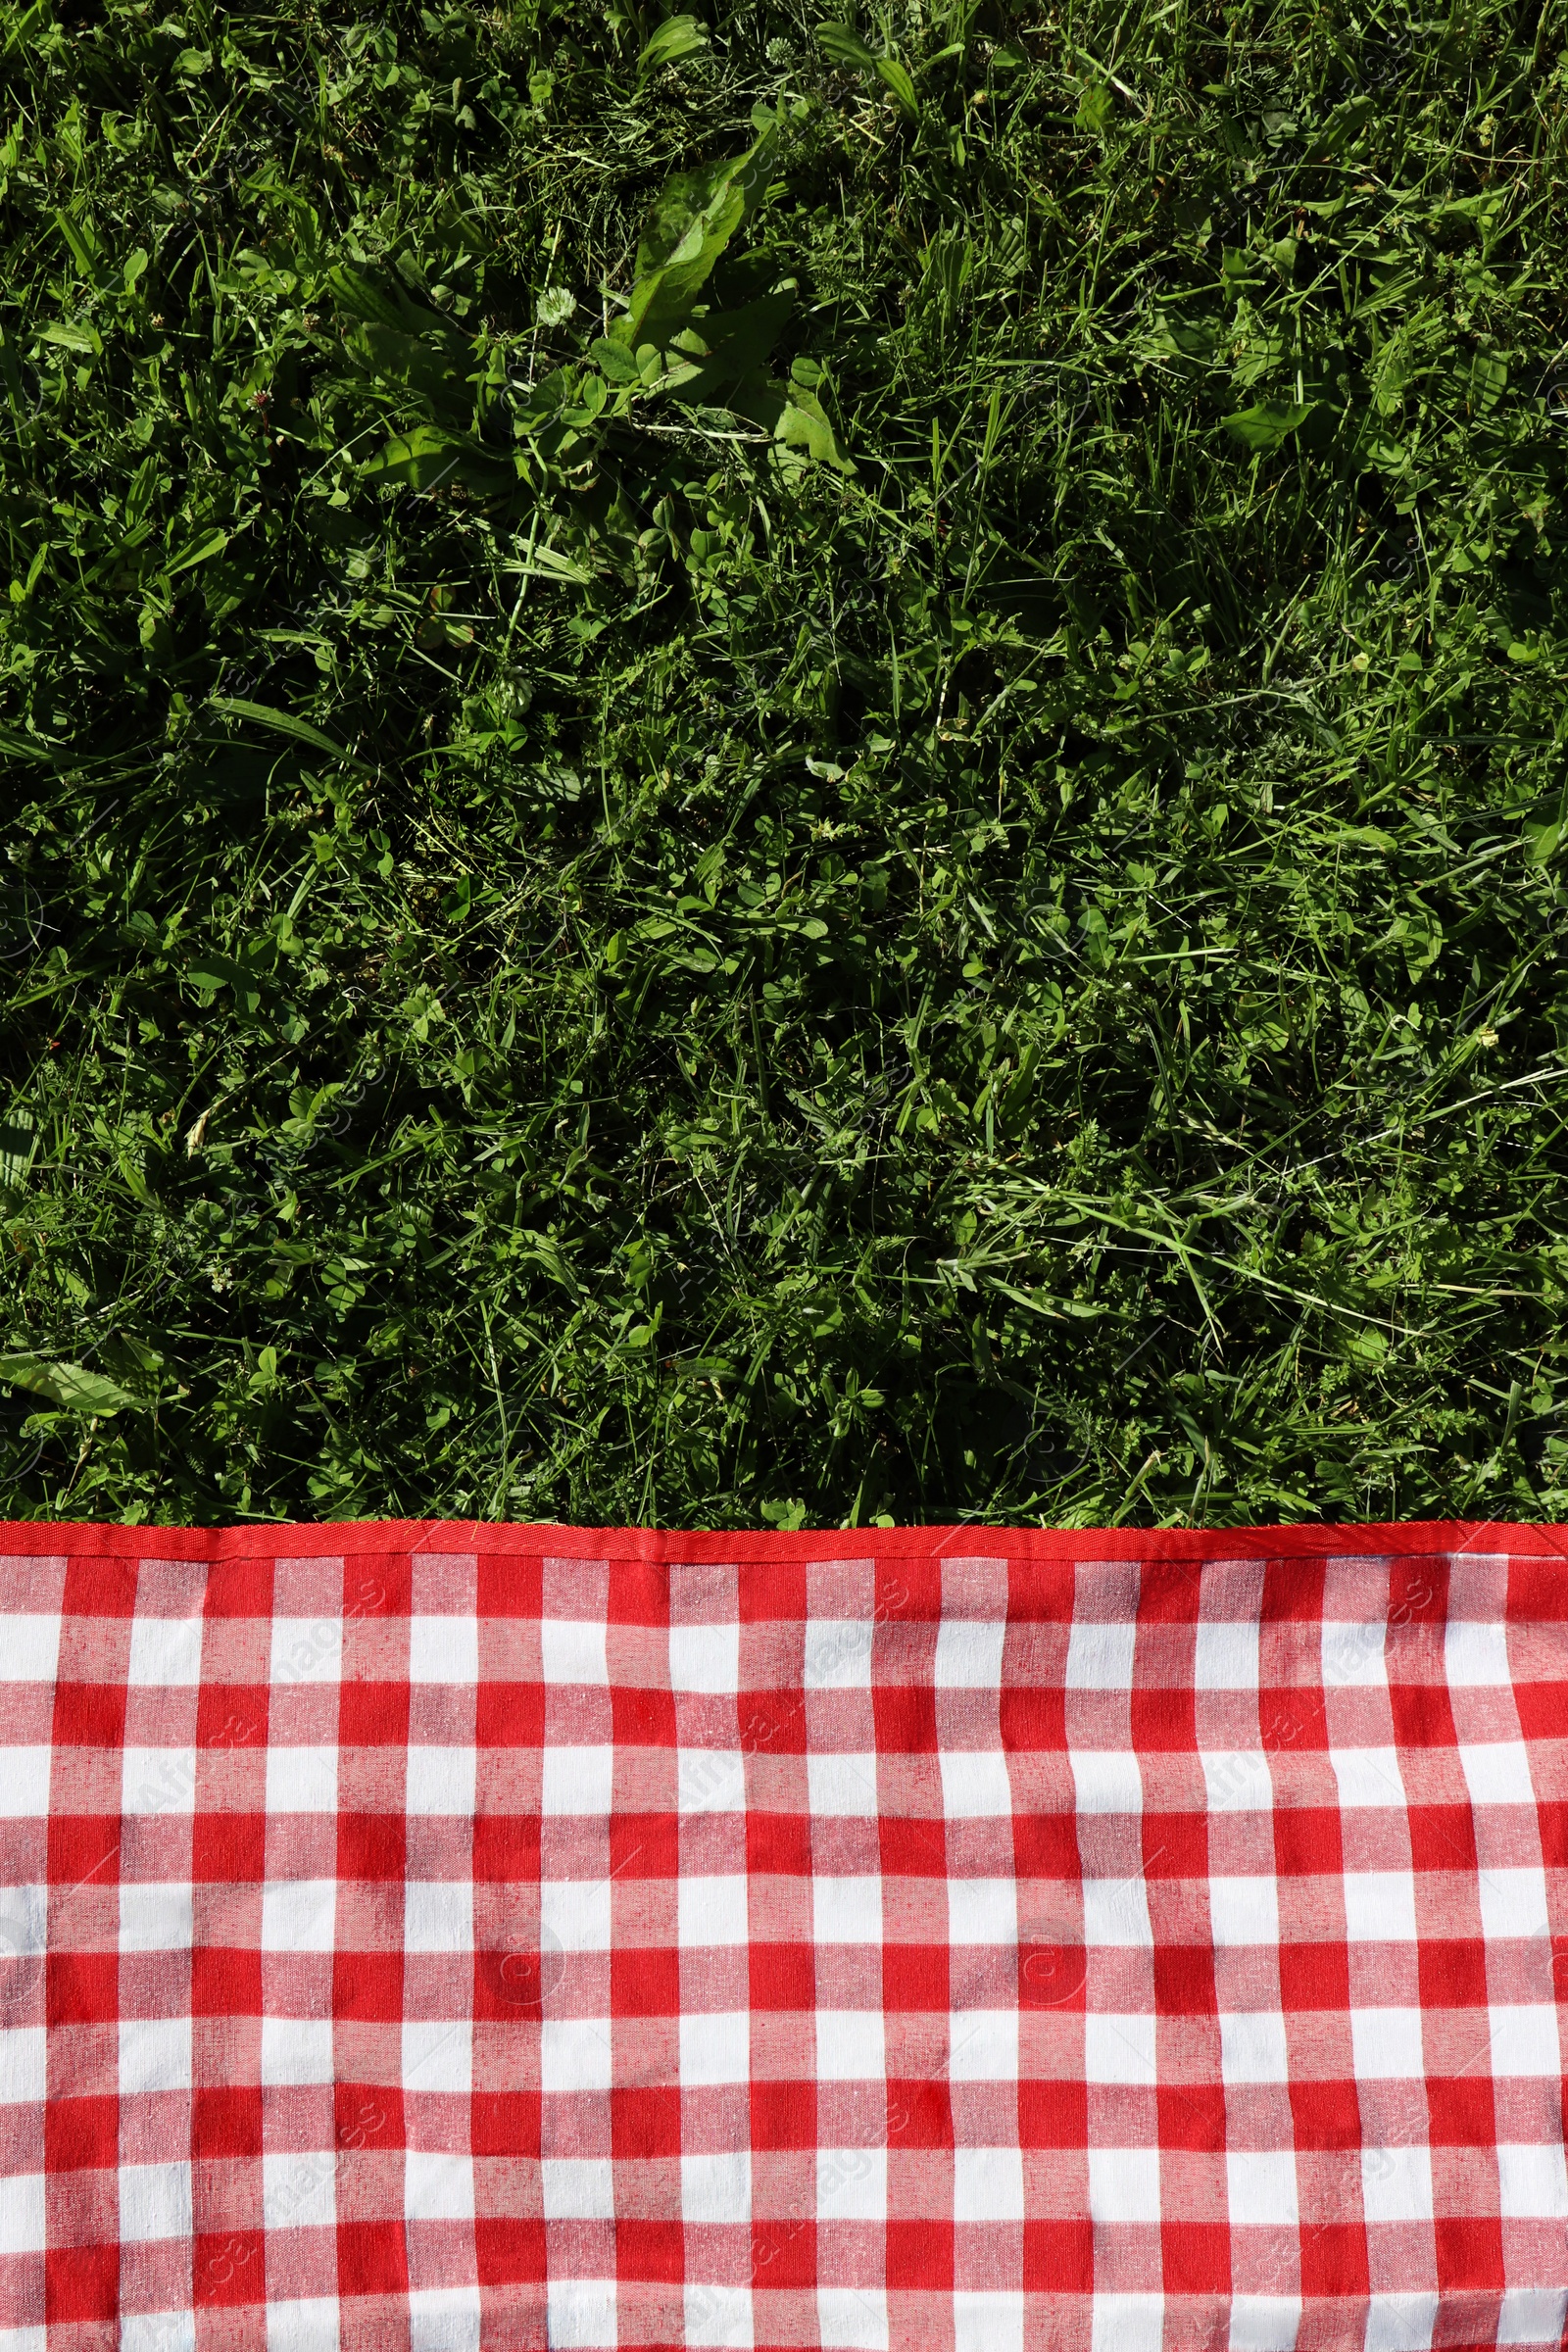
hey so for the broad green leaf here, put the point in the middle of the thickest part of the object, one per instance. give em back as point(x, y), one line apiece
point(70, 1388)
point(18, 1141)
point(22, 24)
point(71, 338)
point(1367, 836)
point(845, 48)
point(545, 564)
point(284, 722)
point(22, 746)
point(796, 417)
point(546, 399)
point(1097, 938)
point(1193, 339)
point(692, 221)
point(680, 203)
point(1341, 127)
point(83, 244)
point(1095, 108)
point(896, 79)
point(201, 551)
point(1488, 379)
point(427, 455)
point(217, 972)
point(676, 37)
point(362, 299)
point(1419, 933)
point(804, 426)
point(1268, 423)
point(213, 971)
point(357, 295)
point(402, 359)
point(1543, 835)
point(732, 345)
point(616, 360)
point(139, 492)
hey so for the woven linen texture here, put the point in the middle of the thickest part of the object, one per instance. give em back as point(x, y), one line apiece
point(464, 1938)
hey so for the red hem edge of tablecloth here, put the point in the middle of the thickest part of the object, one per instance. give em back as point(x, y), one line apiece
point(45, 1538)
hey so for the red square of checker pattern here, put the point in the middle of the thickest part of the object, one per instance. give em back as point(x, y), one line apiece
point(458, 1938)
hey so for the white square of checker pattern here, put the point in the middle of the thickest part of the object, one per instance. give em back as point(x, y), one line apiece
point(573, 1651)
point(705, 1659)
point(968, 1653)
point(166, 1652)
point(1226, 1657)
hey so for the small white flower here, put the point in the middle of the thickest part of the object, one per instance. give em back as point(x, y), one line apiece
point(555, 307)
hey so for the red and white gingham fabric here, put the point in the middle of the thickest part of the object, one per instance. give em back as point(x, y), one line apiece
point(472, 1938)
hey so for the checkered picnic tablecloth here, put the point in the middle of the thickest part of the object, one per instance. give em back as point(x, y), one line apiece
point(468, 1938)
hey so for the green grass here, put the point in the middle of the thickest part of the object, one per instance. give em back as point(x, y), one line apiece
point(924, 885)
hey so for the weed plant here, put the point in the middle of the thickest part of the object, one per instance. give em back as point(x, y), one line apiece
point(762, 773)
